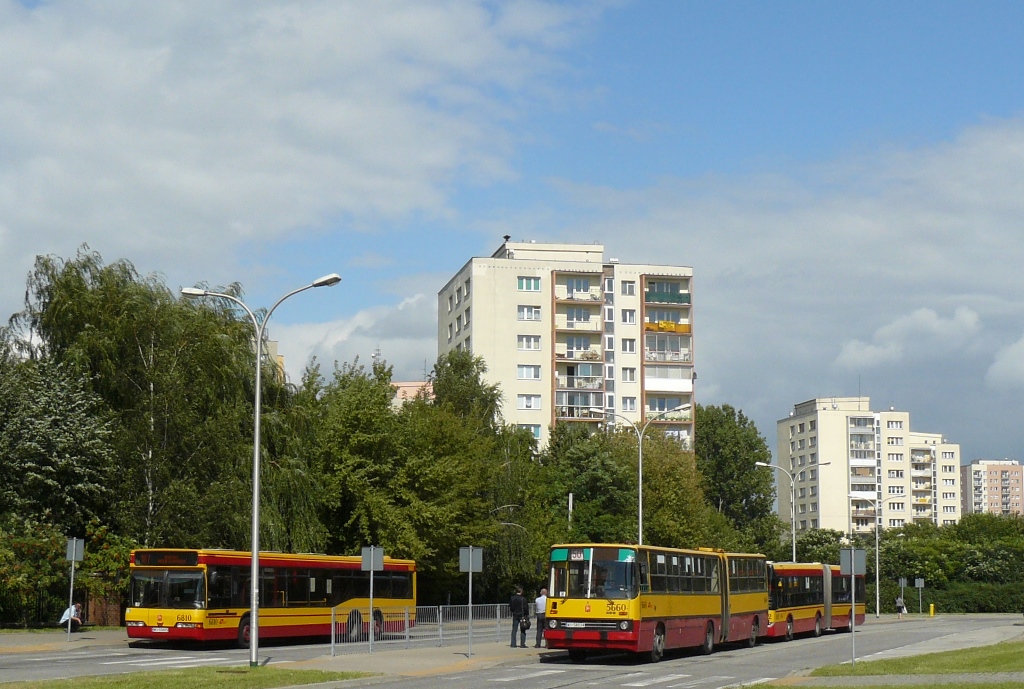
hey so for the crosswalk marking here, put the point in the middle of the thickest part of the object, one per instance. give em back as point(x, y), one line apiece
point(527, 676)
point(655, 680)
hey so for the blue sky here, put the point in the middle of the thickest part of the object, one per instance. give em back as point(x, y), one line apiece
point(845, 179)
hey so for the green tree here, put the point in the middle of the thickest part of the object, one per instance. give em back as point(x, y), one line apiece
point(177, 379)
point(56, 457)
point(458, 383)
point(31, 561)
point(727, 446)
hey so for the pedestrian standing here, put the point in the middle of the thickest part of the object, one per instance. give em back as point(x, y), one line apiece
point(540, 607)
point(519, 609)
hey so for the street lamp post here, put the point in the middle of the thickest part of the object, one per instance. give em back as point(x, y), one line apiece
point(877, 506)
point(254, 572)
point(640, 460)
point(792, 500)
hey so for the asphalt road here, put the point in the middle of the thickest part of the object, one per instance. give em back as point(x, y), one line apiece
point(494, 665)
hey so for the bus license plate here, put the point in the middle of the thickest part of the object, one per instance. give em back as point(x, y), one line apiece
point(159, 630)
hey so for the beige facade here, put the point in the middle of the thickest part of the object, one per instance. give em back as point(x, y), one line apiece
point(571, 337)
point(992, 486)
point(837, 447)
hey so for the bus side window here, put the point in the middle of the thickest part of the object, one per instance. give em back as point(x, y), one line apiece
point(220, 587)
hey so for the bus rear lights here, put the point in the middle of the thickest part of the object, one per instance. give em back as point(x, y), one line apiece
point(135, 623)
point(188, 625)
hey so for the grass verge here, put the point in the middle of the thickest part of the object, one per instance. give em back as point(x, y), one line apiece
point(196, 678)
point(1003, 657)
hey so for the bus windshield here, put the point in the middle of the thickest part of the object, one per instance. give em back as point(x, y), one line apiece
point(155, 588)
point(594, 573)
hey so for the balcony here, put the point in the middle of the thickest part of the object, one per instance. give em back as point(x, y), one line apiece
point(864, 514)
point(666, 297)
point(592, 354)
point(594, 325)
point(862, 446)
point(683, 356)
point(579, 382)
point(666, 327)
point(681, 415)
point(589, 413)
point(563, 293)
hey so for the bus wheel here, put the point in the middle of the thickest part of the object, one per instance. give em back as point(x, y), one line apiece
point(244, 632)
point(658, 647)
point(577, 655)
point(354, 626)
point(709, 640)
point(752, 641)
point(789, 629)
point(817, 625)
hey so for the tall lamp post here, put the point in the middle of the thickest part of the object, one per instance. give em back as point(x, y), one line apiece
point(792, 499)
point(877, 504)
point(254, 572)
point(640, 430)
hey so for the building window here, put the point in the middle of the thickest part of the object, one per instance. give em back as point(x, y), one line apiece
point(813, 425)
point(896, 490)
point(895, 473)
point(628, 288)
point(449, 303)
point(949, 481)
point(609, 313)
point(529, 284)
point(467, 316)
point(574, 285)
point(896, 523)
point(529, 313)
point(894, 440)
point(800, 428)
point(896, 506)
point(629, 404)
point(575, 314)
point(894, 424)
point(458, 323)
point(528, 342)
point(609, 285)
point(895, 456)
point(451, 331)
point(528, 401)
point(949, 455)
point(528, 372)
point(948, 469)
point(629, 316)
point(458, 295)
point(533, 428)
point(949, 496)
point(609, 372)
point(629, 345)
point(609, 401)
point(949, 508)
point(628, 375)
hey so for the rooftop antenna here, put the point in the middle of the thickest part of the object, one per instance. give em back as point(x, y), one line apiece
point(376, 355)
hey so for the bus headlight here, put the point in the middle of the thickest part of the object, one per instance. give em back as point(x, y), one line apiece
point(624, 625)
point(552, 624)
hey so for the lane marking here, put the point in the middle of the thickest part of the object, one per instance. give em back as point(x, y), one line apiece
point(527, 676)
point(655, 680)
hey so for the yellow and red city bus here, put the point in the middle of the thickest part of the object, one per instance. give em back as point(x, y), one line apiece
point(645, 599)
point(204, 595)
point(809, 597)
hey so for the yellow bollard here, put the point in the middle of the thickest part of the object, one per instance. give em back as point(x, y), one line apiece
point(931, 610)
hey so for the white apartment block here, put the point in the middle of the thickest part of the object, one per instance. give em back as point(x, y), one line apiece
point(837, 447)
point(992, 486)
point(573, 338)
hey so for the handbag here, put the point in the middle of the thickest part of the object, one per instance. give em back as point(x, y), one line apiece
point(524, 624)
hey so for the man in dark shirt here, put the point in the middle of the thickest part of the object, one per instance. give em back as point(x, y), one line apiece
point(518, 608)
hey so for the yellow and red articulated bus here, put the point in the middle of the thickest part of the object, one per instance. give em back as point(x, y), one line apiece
point(644, 599)
point(204, 595)
point(810, 598)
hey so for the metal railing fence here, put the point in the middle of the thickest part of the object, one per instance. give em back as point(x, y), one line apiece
point(422, 626)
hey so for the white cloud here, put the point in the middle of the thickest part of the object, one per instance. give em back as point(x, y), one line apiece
point(1007, 371)
point(793, 267)
point(173, 133)
point(405, 336)
point(921, 331)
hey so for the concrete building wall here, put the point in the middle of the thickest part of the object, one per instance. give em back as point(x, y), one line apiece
point(573, 338)
point(854, 467)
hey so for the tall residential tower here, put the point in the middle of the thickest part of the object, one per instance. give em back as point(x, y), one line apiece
point(837, 447)
point(571, 337)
